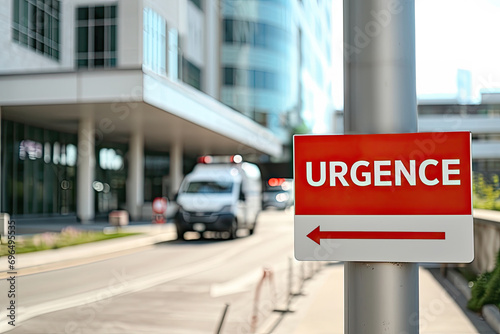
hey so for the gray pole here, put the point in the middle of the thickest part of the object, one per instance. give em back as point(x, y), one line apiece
point(380, 97)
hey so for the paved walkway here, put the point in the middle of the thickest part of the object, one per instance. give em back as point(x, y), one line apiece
point(321, 311)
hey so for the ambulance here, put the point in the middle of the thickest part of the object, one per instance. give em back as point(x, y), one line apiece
point(221, 194)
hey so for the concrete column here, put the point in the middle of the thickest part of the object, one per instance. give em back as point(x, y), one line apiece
point(211, 84)
point(85, 208)
point(175, 167)
point(1, 188)
point(135, 181)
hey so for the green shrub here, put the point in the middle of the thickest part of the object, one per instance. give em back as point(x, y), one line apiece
point(486, 193)
point(486, 289)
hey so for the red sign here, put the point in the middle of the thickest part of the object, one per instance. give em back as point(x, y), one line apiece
point(159, 205)
point(384, 174)
point(386, 197)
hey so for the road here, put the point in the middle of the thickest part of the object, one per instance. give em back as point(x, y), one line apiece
point(174, 287)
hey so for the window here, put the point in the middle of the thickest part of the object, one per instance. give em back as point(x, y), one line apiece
point(191, 74)
point(173, 54)
point(96, 36)
point(209, 187)
point(155, 41)
point(35, 24)
point(256, 79)
point(256, 34)
point(229, 74)
point(261, 118)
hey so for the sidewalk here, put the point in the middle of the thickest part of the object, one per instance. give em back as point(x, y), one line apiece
point(321, 310)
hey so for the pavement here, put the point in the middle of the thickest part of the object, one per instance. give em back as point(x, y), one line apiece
point(318, 309)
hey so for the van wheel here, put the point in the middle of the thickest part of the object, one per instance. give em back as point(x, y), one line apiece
point(233, 230)
point(180, 234)
point(251, 230)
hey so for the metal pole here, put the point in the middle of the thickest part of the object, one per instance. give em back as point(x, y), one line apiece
point(221, 322)
point(380, 97)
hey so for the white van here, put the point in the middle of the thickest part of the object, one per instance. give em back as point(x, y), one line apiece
point(220, 197)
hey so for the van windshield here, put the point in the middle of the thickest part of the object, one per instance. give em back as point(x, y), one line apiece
point(209, 187)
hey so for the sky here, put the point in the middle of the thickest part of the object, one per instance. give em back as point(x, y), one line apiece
point(450, 35)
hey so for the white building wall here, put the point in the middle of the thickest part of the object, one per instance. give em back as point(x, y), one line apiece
point(18, 58)
point(79, 87)
point(193, 45)
point(129, 44)
point(171, 11)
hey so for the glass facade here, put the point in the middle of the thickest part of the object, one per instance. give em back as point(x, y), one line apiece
point(259, 62)
point(264, 35)
point(314, 42)
point(35, 24)
point(156, 170)
point(276, 63)
point(252, 78)
point(96, 36)
point(38, 171)
point(110, 178)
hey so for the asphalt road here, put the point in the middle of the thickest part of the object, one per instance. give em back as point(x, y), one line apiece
point(173, 287)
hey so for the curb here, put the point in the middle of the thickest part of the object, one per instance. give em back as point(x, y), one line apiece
point(490, 313)
point(459, 282)
point(156, 234)
point(492, 316)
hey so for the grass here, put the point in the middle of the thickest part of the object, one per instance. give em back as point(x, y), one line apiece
point(49, 240)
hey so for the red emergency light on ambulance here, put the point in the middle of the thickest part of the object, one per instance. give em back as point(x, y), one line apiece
point(384, 197)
